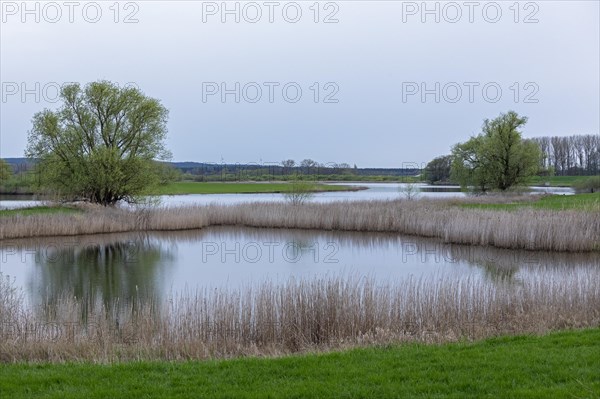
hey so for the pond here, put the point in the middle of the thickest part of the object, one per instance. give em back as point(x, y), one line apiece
point(374, 191)
point(158, 264)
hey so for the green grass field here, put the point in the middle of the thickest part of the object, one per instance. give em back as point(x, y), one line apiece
point(235, 188)
point(583, 202)
point(556, 181)
point(38, 210)
point(564, 364)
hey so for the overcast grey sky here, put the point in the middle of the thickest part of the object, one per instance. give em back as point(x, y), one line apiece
point(383, 83)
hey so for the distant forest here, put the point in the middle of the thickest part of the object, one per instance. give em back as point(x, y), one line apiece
point(202, 171)
point(571, 156)
point(577, 155)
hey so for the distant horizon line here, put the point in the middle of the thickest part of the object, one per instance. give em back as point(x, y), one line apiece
point(403, 165)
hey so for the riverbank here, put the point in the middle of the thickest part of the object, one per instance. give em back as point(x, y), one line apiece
point(179, 188)
point(245, 187)
point(521, 227)
point(561, 364)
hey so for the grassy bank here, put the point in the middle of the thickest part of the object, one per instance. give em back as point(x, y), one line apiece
point(581, 202)
point(39, 210)
point(239, 188)
point(563, 364)
point(523, 228)
point(555, 181)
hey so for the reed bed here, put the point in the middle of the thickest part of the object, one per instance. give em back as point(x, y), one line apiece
point(307, 315)
point(529, 229)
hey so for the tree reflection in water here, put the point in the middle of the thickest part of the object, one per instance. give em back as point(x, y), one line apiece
point(116, 272)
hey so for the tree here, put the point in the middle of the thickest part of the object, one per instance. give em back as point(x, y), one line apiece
point(438, 169)
point(299, 191)
point(168, 173)
point(288, 165)
point(410, 191)
point(5, 171)
point(308, 164)
point(498, 158)
point(101, 145)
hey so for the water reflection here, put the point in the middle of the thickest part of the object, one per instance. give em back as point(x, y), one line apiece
point(113, 271)
point(117, 270)
point(374, 191)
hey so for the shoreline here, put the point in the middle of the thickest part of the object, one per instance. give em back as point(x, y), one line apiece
point(521, 228)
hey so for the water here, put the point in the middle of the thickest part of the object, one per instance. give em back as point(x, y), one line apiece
point(19, 201)
point(374, 191)
point(158, 264)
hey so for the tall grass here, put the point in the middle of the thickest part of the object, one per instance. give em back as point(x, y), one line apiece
point(531, 229)
point(298, 316)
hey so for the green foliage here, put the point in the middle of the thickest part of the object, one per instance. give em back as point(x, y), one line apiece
point(563, 364)
point(5, 172)
point(498, 158)
point(588, 185)
point(168, 173)
point(101, 144)
point(438, 169)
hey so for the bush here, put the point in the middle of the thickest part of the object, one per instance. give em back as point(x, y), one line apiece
point(588, 185)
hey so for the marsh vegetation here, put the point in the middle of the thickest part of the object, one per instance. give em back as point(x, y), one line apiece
point(297, 315)
point(524, 227)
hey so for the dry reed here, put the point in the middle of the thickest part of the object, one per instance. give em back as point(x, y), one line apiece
point(528, 229)
point(266, 319)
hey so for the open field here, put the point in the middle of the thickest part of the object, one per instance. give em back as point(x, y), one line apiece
point(581, 202)
point(563, 364)
point(39, 210)
point(238, 188)
point(555, 181)
point(296, 315)
point(522, 228)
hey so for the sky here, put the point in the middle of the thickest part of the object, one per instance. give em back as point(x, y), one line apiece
point(371, 83)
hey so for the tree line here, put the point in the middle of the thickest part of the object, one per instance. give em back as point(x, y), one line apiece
point(577, 155)
point(106, 144)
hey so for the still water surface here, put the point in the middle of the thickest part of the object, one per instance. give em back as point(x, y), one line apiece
point(158, 264)
point(374, 191)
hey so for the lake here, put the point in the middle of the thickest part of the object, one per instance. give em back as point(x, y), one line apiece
point(374, 191)
point(159, 264)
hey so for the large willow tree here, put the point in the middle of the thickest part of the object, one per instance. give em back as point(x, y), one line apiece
point(498, 158)
point(101, 145)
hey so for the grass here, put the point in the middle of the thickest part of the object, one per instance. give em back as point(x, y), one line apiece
point(238, 188)
point(556, 181)
point(524, 228)
point(563, 364)
point(39, 210)
point(581, 202)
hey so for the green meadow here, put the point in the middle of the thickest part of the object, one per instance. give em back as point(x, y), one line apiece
point(564, 364)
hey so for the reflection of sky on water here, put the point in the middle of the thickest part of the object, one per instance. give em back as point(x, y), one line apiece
point(104, 267)
point(375, 191)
